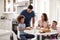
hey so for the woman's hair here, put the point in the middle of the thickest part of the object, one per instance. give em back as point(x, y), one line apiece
point(45, 17)
point(20, 17)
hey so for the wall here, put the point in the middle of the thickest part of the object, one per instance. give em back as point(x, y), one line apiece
point(59, 14)
point(5, 24)
point(1, 7)
point(54, 10)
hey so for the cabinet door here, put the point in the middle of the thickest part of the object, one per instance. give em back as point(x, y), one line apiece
point(1, 25)
point(5, 37)
point(7, 25)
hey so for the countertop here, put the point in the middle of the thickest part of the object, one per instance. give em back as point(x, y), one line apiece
point(4, 32)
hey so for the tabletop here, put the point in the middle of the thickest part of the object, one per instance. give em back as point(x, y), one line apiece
point(36, 32)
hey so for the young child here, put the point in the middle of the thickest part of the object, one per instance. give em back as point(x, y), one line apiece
point(54, 27)
point(22, 27)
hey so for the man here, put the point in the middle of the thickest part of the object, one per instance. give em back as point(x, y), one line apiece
point(29, 14)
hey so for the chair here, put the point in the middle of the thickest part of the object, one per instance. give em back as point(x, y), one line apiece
point(18, 33)
point(18, 37)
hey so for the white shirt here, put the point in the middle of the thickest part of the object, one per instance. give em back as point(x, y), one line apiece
point(45, 24)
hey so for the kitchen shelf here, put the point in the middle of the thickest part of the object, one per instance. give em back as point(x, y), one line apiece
point(9, 12)
point(21, 4)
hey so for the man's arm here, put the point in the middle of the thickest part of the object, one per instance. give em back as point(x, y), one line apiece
point(33, 21)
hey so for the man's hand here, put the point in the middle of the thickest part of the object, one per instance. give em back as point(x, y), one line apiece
point(28, 28)
point(31, 27)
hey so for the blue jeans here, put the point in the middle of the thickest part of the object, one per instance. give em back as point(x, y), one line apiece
point(23, 37)
point(26, 36)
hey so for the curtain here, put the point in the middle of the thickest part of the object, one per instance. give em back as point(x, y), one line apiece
point(40, 6)
point(54, 11)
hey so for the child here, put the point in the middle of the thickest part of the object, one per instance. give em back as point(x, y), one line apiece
point(22, 27)
point(54, 27)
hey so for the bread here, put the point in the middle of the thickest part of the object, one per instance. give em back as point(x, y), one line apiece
point(44, 30)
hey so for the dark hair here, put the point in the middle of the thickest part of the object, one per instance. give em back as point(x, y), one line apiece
point(55, 22)
point(30, 7)
point(20, 17)
point(45, 17)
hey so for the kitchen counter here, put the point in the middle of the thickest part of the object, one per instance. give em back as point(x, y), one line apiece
point(5, 34)
point(6, 24)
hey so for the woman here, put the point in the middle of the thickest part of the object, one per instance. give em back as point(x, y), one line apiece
point(43, 23)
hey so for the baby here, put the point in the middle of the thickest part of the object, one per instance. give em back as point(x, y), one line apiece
point(54, 27)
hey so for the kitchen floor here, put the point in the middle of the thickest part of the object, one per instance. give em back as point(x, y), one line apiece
point(54, 39)
point(45, 39)
point(59, 38)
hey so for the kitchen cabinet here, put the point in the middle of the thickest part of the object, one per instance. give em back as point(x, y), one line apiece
point(6, 24)
point(9, 6)
point(4, 35)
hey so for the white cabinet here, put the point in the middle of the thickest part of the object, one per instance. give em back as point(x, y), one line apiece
point(4, 35)
point(6, 24)
point(9, 6)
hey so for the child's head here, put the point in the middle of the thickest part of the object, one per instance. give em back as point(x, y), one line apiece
point(54, 23)
point(20, 19)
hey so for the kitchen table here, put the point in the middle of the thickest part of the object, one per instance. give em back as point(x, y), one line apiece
point(36, 32)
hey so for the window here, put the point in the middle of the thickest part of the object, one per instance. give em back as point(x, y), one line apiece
point(41, 6)
point(9, 6)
